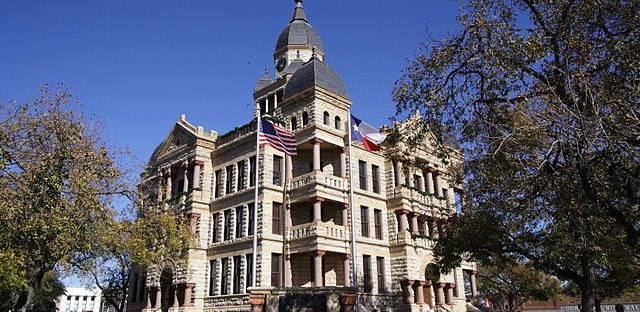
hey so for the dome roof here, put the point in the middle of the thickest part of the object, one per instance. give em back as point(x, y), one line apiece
point(263, 82)
point(315, 73)
point(299, 32)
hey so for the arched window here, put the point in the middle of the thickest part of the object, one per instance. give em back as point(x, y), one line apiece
point(338, 123)
point(305, 119)
point(327, 120)
point(294, 123)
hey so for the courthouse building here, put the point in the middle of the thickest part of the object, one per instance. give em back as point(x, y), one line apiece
point(304, 257)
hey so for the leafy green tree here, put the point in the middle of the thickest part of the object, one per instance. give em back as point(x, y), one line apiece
point(44, 299)
point(515, 283)
point(543, 98)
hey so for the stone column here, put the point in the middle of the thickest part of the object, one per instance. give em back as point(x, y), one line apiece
point(343, 163)
point(317, 268)
point(174, 289)
point(159, 187)
point(472, 280)
point(421, 186)
point(187, 294)
point(432, 297)
point(348, 302)
point(168, 181)
point(404, 223)
point(193, 220)
point(420, 290)
point(399, 173)
point(450, 287)
point(414, 223)
point(288, 281)
point(409, 295)
point(148, 295)
point(438, 183)
point(197, 167)
point(316, 153)
point(158, 301)
point(346, 268)
point(439, 290)
point(345, 215)
point(428, 176)
point(409, 178)
point(185, 181)
point(317, 209)
point(257, 302)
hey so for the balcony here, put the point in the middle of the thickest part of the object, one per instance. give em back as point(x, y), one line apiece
point(318, 236)
point(406, 238)
point(415, 196)
point(319, 184)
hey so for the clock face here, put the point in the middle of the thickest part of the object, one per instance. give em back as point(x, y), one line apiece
point(282, 63)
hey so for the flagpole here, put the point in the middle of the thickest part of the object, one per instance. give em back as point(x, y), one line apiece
point(254, 256)
point(354, 261)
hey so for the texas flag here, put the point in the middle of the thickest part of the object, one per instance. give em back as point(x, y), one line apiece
point(365, 133)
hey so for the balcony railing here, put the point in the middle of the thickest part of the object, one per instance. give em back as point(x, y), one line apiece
point(322, 229)
point(319, 178)
point(417, 196)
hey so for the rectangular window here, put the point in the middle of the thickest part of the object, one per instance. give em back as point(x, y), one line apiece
point(250, 207)
point(241, 174)
point(366, 271)
point(375, 176)
point(236, 274)
point(224, 282)
point(362, 172)
point(134, 293)
point(380, 269)
point(277, 170)
point(212, 277)
point(214, 228)
point(219, 181)
point(276, 269)
point(377, 217)
point(364, 220)
point(227, 224)
point(239, 221)
point(229, 180)
point(276, 218)
point(249, 275)
point(252, 171)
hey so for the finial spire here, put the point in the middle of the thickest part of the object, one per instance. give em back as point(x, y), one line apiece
point(266, 71)
point(298, 12)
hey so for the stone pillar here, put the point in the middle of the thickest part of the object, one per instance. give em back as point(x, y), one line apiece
point(174, 289)
point(409, 178)
point(345, 215)
point(472, 280)
point(317, 209)
point(257, 302)
point(438, 183)
point(404, 223)
point(185, 181)
point(168, 181)
point(421, 186)
point(197, 167)
point(439, 290)
point(410, 296)
point(343, 163)
point(288, 280)
point(159, 187)
point(317, 268)
point(428, 175)
point(148, 295)
point(348, 302)
point(346, 268)
point(432, 297)
point(158, 301)
point(193, 221)
point(414, 223)
point(316, 154)
point(450, 287)
point(187, 294)
point(420, 290)
point(399, 173)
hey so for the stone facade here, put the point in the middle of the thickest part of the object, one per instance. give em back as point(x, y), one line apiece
point(303, 257)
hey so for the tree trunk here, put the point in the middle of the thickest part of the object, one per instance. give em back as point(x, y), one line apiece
point(587, 289)
point(24, 303)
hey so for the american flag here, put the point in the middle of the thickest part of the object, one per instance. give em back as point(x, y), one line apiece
point(277, 137)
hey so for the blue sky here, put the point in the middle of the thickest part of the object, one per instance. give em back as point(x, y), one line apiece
point(139, 64)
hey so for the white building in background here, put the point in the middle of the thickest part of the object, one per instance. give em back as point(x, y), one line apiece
point(79, 299)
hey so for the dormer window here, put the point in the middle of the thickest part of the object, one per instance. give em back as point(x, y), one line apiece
point(294, 123)
point(338, 123)
point(327, 120)
point(305, 119)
